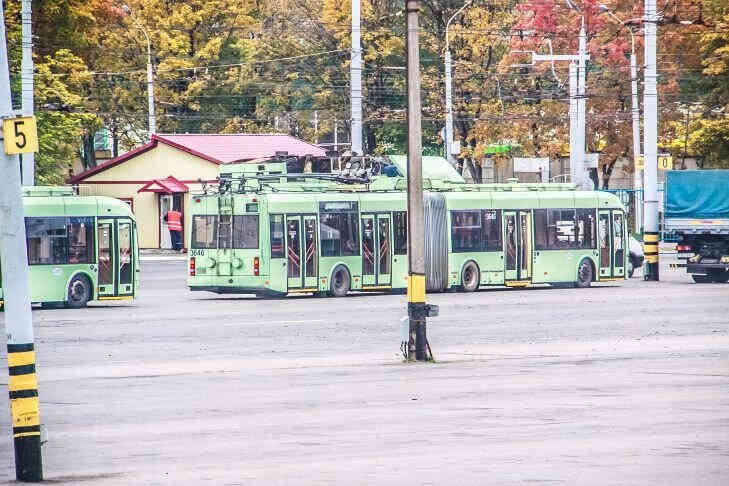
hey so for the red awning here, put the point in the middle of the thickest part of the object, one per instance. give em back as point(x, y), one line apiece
point(168, 185)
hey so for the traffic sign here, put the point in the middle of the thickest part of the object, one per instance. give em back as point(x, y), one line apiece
point(20, 135)
point(665, 162)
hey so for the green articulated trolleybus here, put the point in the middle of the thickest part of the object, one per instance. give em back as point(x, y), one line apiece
point(80, 248)
point(278, 234)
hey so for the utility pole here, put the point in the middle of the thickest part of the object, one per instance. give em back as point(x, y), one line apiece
point(449, 89)
point(355, 83)
point(417, 308)
point(635, 112)
point(26, 68)
point(573, 121)
point(577, 126)
point(18, 136)
point(650, 144)
point(152, 121)
point(581, 116)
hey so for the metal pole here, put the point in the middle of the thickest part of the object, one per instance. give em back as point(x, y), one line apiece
point(28, 166)
point(581, 116)
point(449, 107)
point(22, 381)
point(650, 145)
point(355, 85)
point(336, 142)
point(637, 179)
point(449, 88)
point(416, 223)
point(150, 88)
point(573, 121)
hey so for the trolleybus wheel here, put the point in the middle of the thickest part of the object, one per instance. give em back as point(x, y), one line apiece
point(79, 292)
point(470, 277)
point(701, 278)
point(340, 281)
point(584, 274)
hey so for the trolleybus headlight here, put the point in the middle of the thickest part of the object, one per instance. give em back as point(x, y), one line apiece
point(256, 266)
point(192, 266)
point(724, 259)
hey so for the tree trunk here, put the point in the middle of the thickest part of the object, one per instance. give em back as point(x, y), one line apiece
point(89, 154)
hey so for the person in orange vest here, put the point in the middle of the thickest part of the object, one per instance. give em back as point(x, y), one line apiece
point(174, 224)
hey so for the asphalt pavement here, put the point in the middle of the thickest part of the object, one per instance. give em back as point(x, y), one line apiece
point(619, 384)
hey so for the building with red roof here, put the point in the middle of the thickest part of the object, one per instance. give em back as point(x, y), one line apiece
point(161, 174)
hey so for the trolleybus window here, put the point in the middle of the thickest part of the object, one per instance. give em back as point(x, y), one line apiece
point(245, 231)
point(400, 229)
point(277, 236)
point(81, 240)
point(339, 228)
point(47, 240)
point(203, 231)
point(491, 219)
point(586, 229)
point(478, 230)
point(466, 230)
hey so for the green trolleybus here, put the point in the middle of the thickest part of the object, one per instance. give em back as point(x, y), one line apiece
point(267, 235)
point(80, 248)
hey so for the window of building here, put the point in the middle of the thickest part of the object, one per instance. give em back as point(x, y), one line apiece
point(245, 231)
point(400, 227)
point(339, 228)
point(47, 240)
point(491, 234)
point(204, 231)
point(277, 236)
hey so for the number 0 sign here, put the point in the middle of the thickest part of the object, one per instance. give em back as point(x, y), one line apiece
point(20, 135)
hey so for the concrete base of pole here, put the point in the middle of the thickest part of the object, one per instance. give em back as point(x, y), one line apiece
point(28, 461)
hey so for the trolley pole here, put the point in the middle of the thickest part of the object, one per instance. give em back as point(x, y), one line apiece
point(22, 382)
point(417, 308)
point(650, 145)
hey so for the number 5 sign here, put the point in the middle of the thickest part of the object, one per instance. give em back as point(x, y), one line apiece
point(20, 135)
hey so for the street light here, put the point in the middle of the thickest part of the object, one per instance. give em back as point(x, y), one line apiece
point(448, 88)
point(635, 110)
point(150, 76)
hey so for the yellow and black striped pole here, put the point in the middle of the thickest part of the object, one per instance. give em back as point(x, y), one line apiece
point(25, 411)
point(650, 253)
point(22, 383)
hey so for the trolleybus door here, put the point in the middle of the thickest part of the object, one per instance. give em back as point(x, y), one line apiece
point(605, 237)
point(107, 260)
point(293, 252)
point(618, 244)
point(376, 250)
point(511, 246)
point(311, 252)
point(517, 245)
point(525, 245)
point(126, 257)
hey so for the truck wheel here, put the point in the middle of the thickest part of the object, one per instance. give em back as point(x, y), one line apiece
point(720, 277)
point(701, 278)
point(584, 274)
point(470, 277)
point(340, 282)
point(79, 292)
